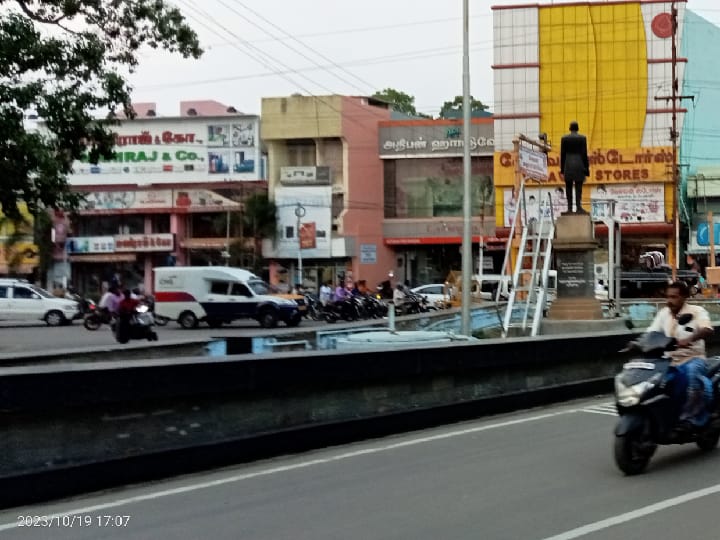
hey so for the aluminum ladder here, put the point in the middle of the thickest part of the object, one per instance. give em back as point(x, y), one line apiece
point(528, 297)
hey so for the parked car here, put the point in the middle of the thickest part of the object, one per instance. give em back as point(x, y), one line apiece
point(299, 299)
point(23, 301)
point(434, 293)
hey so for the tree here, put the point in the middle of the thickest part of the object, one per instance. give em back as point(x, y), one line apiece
point(454, 108)
point(64, 60)
point(259, 221)
point(399, 101)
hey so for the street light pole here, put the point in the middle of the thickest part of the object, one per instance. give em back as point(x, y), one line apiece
point(467, 169)
point(299, 213)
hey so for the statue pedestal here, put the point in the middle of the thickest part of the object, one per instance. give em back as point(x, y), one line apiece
point(574, 245)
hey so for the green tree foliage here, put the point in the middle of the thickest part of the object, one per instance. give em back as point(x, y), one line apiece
point(454, 108)
point(399, 101)
point(66, 60)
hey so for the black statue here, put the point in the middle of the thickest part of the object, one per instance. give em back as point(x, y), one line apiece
point(574, 166)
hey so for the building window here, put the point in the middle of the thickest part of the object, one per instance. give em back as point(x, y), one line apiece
point(290, 232)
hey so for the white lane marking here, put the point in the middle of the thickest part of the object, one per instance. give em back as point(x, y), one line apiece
point(602, 408)
point(635, 514)
point(295, 466)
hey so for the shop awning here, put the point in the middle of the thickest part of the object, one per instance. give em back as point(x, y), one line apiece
point(103, 257)
point(20, 269)
point(204, 243)
point(626, 229)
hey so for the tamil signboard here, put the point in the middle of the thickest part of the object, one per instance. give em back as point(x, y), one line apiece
point(305, 176)
point(533, 164)
point(368, 253)
point(175, 150)
point(433, 138)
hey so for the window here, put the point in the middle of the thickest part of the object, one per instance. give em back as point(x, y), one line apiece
point(289, 232)
point(3, 291)
point(22, 292)
point(238, 289)
point(219, 287)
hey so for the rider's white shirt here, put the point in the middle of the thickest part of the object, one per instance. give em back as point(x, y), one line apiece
point(667, 323)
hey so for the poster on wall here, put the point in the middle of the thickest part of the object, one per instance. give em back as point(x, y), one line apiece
point(536, 200)
point(639, 203)
point(315, 225)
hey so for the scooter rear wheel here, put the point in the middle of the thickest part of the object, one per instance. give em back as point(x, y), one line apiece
point(632, 453)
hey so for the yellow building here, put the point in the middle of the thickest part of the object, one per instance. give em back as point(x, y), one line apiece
point(608, 66)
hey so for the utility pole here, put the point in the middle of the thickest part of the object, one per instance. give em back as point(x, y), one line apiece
point(676, 99)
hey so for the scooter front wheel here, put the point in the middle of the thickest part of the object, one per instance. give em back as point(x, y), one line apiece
point(633, 452)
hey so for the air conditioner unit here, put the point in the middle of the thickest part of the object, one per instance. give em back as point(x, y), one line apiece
point(602, 272)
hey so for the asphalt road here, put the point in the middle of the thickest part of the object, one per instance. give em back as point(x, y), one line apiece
point(28, 337)
point(544, 474)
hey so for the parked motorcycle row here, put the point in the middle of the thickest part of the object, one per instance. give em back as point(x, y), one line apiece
point(362, 307)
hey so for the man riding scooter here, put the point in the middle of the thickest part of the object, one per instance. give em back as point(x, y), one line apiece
point(688, 367)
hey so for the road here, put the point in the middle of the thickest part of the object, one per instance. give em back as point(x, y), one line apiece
point(28, 337)
point(543, 474)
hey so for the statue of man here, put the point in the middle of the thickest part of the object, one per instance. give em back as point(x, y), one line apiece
point(574, 166)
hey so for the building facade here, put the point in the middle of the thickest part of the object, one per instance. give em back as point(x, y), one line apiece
point(165, 198)
point(325, 178)
point(608, 66)
point(423, 192)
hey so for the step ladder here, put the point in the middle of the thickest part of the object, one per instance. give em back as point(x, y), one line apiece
point(527, 303)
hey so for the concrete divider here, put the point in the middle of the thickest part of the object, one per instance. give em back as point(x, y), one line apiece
point(59, 418)
point(57, 422)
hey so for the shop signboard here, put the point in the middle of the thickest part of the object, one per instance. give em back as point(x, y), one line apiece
point(144, 242)
point(90, 244)
point(162, 199)
point(438, 139)
point(176, 150)
point(305, 176)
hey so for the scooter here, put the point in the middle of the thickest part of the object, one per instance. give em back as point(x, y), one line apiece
point(648, 413)
point(138, 325)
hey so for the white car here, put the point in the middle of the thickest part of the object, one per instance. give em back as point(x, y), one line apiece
point(23, 301)
point(434, 292)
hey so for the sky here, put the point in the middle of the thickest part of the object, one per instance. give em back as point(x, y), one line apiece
point(274, 48)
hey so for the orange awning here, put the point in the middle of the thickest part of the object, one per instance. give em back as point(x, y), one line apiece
point(103, 257)
point(204, 243)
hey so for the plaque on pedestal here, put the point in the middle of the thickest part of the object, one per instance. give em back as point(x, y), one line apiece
point(574, 245)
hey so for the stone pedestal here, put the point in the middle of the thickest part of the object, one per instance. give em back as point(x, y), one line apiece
point(574, 245)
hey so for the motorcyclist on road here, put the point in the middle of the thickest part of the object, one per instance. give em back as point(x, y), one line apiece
point(688, 368)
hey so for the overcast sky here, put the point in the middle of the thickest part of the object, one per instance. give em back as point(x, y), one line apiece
point(270, 48)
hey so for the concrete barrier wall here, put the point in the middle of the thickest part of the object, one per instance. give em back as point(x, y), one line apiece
point(74, 415)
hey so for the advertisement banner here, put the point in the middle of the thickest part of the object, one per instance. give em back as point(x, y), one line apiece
point(640, 203)
point(177, 150)
point(162, 199)
point(307, 235)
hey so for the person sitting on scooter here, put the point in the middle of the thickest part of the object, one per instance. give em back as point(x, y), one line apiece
point(127, 305)
point(688, 368)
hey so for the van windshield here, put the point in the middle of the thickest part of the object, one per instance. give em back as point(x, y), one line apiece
point(258, 286)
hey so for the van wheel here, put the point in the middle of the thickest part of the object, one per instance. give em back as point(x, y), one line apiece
point(188, 320)
point(294, 321)
point(54, 318)
point(268, 318)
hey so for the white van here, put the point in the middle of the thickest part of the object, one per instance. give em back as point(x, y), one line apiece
point(23, 301)
point(218, 295)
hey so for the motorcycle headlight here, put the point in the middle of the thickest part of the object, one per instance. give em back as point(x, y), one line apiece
point(629, 396)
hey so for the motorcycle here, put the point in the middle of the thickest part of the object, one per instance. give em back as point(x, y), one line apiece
point(648, 413)
point(138, 325)
point(96, 317)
